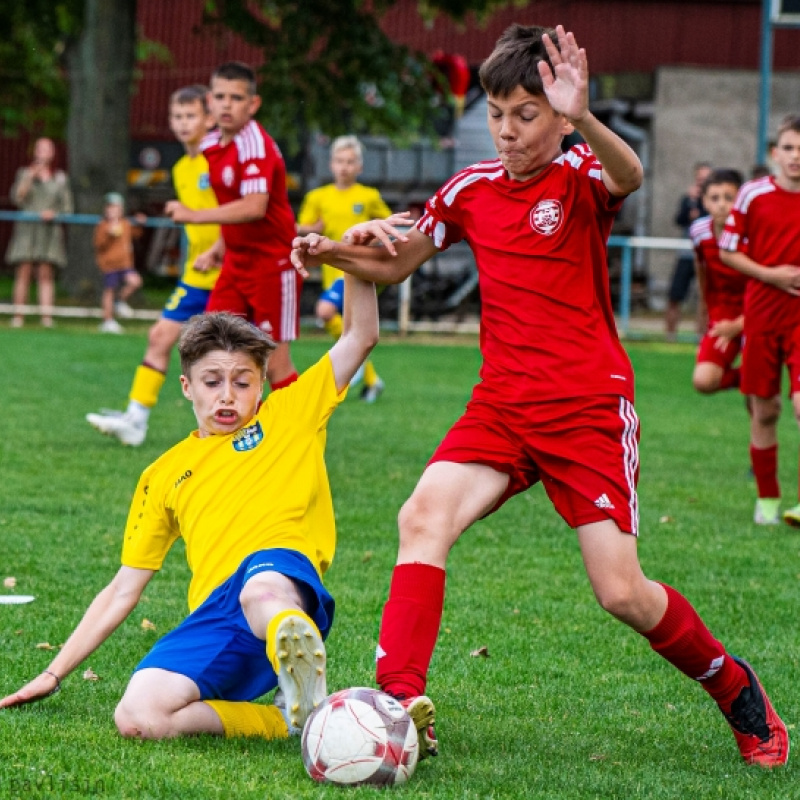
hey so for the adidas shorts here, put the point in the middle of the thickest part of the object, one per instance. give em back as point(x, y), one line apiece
point(585, 451)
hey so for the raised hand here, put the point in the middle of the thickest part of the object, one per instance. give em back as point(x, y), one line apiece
point(380, 230)
point(567, 85)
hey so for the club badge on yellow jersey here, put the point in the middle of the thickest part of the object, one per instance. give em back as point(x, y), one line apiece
point(248, 438)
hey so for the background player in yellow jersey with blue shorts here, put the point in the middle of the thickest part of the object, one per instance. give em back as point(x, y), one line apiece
point(248, 492)
point(189, 120)
point(330, 210)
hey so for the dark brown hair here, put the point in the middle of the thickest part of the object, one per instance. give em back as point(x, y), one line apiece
point(515, 61)
point(236, 71)
point(718, 176)
point(205, 333)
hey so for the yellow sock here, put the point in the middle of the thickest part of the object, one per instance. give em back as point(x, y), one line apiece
point(147, 383)
point(272, 653)
point(250, 719)
point(334, 326)
point(370, 374)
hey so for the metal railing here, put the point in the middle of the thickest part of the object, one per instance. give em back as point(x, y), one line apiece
point(404, 324)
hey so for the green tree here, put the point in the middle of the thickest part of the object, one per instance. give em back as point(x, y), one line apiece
point(68, 66)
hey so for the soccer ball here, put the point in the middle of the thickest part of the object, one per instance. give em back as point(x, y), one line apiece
point(360, 736)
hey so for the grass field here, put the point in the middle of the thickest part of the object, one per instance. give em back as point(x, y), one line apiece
point(569, 703)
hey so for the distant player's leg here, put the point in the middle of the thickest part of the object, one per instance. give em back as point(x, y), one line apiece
point(275, 308)
point(714, 370)
point(764, 458)
point(676, 632)
point(447, 500)
point(792, 515)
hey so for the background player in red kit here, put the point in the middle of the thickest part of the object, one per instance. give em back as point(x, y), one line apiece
point(762, 240)
point(248, 176)
point(722, 287)
point(555, 398)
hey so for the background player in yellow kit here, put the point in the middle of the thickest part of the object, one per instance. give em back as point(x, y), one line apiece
point(248, 492)
point(330, 210)
point(189, 120)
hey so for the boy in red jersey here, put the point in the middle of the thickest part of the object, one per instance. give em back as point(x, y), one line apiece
point(555, 398)
point(762, 240)
point(722, 287)
point(248, 176)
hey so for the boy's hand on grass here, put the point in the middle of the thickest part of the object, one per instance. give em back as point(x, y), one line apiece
point(40, 687)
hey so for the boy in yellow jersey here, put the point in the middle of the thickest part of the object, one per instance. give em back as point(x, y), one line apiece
point(331, 210)
point(248, 492)
point(189, 120)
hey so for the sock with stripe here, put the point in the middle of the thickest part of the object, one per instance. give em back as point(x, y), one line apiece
point(409, 628)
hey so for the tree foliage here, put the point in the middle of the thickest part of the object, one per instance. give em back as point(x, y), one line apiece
point(327, 63)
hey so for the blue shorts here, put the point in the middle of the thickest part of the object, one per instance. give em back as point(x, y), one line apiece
point(214, 645)
point(113, 280)
point(335, 294)
point(184, 302)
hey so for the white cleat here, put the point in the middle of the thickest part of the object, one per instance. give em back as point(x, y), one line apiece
point(110, 326)
point(301, 676)
point(122, 309)
point(119, 425)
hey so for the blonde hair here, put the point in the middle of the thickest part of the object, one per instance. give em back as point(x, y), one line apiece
point(348, 143)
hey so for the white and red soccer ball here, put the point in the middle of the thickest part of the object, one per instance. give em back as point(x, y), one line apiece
point(359, 737)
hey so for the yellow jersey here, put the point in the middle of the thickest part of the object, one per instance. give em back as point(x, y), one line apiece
point(264, 486)
point(340, 209)
point(190, 177)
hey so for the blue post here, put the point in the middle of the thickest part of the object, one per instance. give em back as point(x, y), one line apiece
point(765, 91)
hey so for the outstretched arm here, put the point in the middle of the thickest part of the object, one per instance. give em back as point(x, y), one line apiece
point(567, 90)
point(249, 208)
point(105, 614)
point(378, 264)
point(360, 330)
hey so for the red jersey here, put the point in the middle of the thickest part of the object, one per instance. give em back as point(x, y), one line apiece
point(547, 326)
point(252, 164)
point(725, 286)
point(765, 223)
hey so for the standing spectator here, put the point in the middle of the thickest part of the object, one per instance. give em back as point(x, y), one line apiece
point(689, 209)
point(38, 246)
point(113, 244)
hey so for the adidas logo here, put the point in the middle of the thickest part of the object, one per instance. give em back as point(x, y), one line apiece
point(252, 169)
point(603, 502)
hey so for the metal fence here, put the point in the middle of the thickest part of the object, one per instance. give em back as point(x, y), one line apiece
point(403, 316)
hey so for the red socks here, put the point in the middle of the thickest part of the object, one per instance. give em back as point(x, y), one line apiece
point(765, 470)
point(284, 383)
point(683, 639)
point(409, 628)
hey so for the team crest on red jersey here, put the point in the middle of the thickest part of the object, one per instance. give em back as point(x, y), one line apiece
point(547, 216)
point(227, 175)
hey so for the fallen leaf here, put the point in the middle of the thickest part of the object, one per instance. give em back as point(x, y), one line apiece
point(45, 646)
point(90, 675)
point(597, 757)
point(665, 518)
point(366, 557)
point(481, 652)
point(147, 625)
point(515, 611)
point(10, 582)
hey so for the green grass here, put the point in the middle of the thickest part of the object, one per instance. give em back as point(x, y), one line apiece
point(569, 703)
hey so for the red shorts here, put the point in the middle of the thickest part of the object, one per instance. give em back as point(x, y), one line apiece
point(585, 451)
point(763, 355)
point(270, 300)
point(708, 353)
